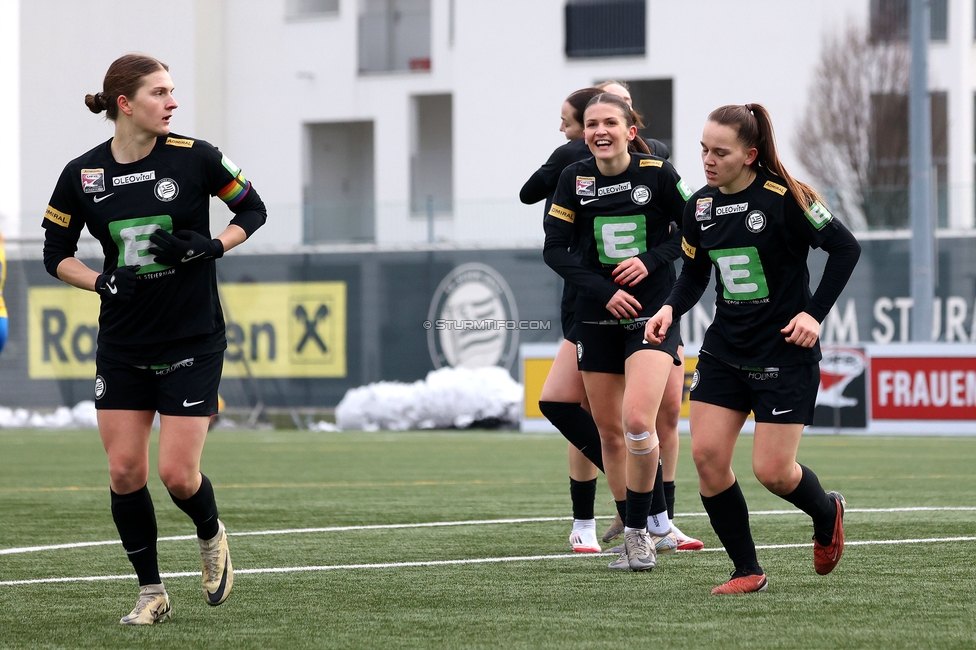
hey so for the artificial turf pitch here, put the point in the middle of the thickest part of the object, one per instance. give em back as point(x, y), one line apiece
point(342, 562)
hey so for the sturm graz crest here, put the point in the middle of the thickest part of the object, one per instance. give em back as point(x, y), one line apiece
point(466, 310)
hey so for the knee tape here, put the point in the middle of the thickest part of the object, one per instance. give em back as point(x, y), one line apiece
point(641, 443)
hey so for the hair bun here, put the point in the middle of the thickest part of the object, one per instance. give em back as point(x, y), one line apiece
point(96, 103)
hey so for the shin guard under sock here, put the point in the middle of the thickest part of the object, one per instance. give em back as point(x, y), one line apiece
point(809, 496)
point(577, 426)
point(583, 494)
point(658, 522)
point(135, 519)
point(669, 498)
point(202, 509)
point(729, 516)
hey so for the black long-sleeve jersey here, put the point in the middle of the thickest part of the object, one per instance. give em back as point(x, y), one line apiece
point(757, 240)
point(173, 311)
point(615, 218)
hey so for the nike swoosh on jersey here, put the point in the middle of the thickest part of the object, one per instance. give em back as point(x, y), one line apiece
point(189, 404)
point(585, 201)
point(709, 226)
point(99, 199)
point(775, 412)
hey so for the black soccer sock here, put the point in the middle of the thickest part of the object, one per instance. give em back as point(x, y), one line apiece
point(669, 498)
point(135, 519)
point(202, 509)
point(729, 516)
point(583, 494)
point(658, 503)
point(577, 426)
point(809, 496)
point(622, 509)
point(638, 507)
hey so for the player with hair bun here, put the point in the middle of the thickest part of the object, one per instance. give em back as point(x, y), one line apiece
point(145, 195)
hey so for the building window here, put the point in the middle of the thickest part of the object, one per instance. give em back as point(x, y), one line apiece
point(394, 35)
point(597, 28)
point(431, 155)
point(886, 200)
point(890, 20)
point(338, 193)
point(311, 8)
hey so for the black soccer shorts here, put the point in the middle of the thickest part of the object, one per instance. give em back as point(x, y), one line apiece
point(605, 348)
point(777, 395)
point(184, 387)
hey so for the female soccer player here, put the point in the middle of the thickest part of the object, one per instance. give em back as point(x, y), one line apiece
point(145, 195)
point(755, 224)
point(619, 205)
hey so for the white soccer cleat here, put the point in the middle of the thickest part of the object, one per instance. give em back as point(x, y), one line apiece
point(152, 607)
point(686, 543)
point(583, 538)
point(218, 573)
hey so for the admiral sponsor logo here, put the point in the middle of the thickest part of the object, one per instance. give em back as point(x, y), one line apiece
point(166, 189)
point(128, 179)
point(703, 210)
point(93, 180)
point(688, 249)
point(755, 221)
point(775, 187)
point(585, 186)
point(562, 213)
point(818, 215)
point(651, 163)
point(57, 216)
point(614, 189)
point(179, 142)
point(641, 195)
point(731, 209)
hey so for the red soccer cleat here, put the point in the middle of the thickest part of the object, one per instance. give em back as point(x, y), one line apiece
point(743, 584)
point(825, 558)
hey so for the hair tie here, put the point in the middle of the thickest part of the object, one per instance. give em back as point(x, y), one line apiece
point(100, 99)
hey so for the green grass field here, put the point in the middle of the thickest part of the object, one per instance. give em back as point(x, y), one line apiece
point(329, 543)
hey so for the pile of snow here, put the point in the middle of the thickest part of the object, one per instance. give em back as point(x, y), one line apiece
point(82, 416)
point(449, 397)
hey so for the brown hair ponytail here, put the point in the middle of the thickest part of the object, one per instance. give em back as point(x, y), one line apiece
point(755, 129)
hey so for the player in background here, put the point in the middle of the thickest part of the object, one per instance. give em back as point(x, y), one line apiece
point(667, 418)
point(145, 195)
point(755, 225)
point(619, 206)
point(4, 325)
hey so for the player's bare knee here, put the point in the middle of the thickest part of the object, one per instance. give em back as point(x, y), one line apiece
point(641, 444)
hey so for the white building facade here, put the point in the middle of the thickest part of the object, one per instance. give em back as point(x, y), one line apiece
point(395, 123)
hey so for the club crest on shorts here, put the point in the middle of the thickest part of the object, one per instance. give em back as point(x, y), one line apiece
point(99, 386)
point(579, 351)
point(755, 221)
point(694, 380)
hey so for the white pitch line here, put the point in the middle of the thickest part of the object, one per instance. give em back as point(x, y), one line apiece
point(441, 524)
point(485, 560)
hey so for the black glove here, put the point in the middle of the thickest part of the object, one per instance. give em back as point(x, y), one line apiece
point(184, 247)
point(120, 284)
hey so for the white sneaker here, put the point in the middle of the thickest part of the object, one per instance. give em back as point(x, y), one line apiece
point(152, 607)
point(583, 538)
point(686, 543)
